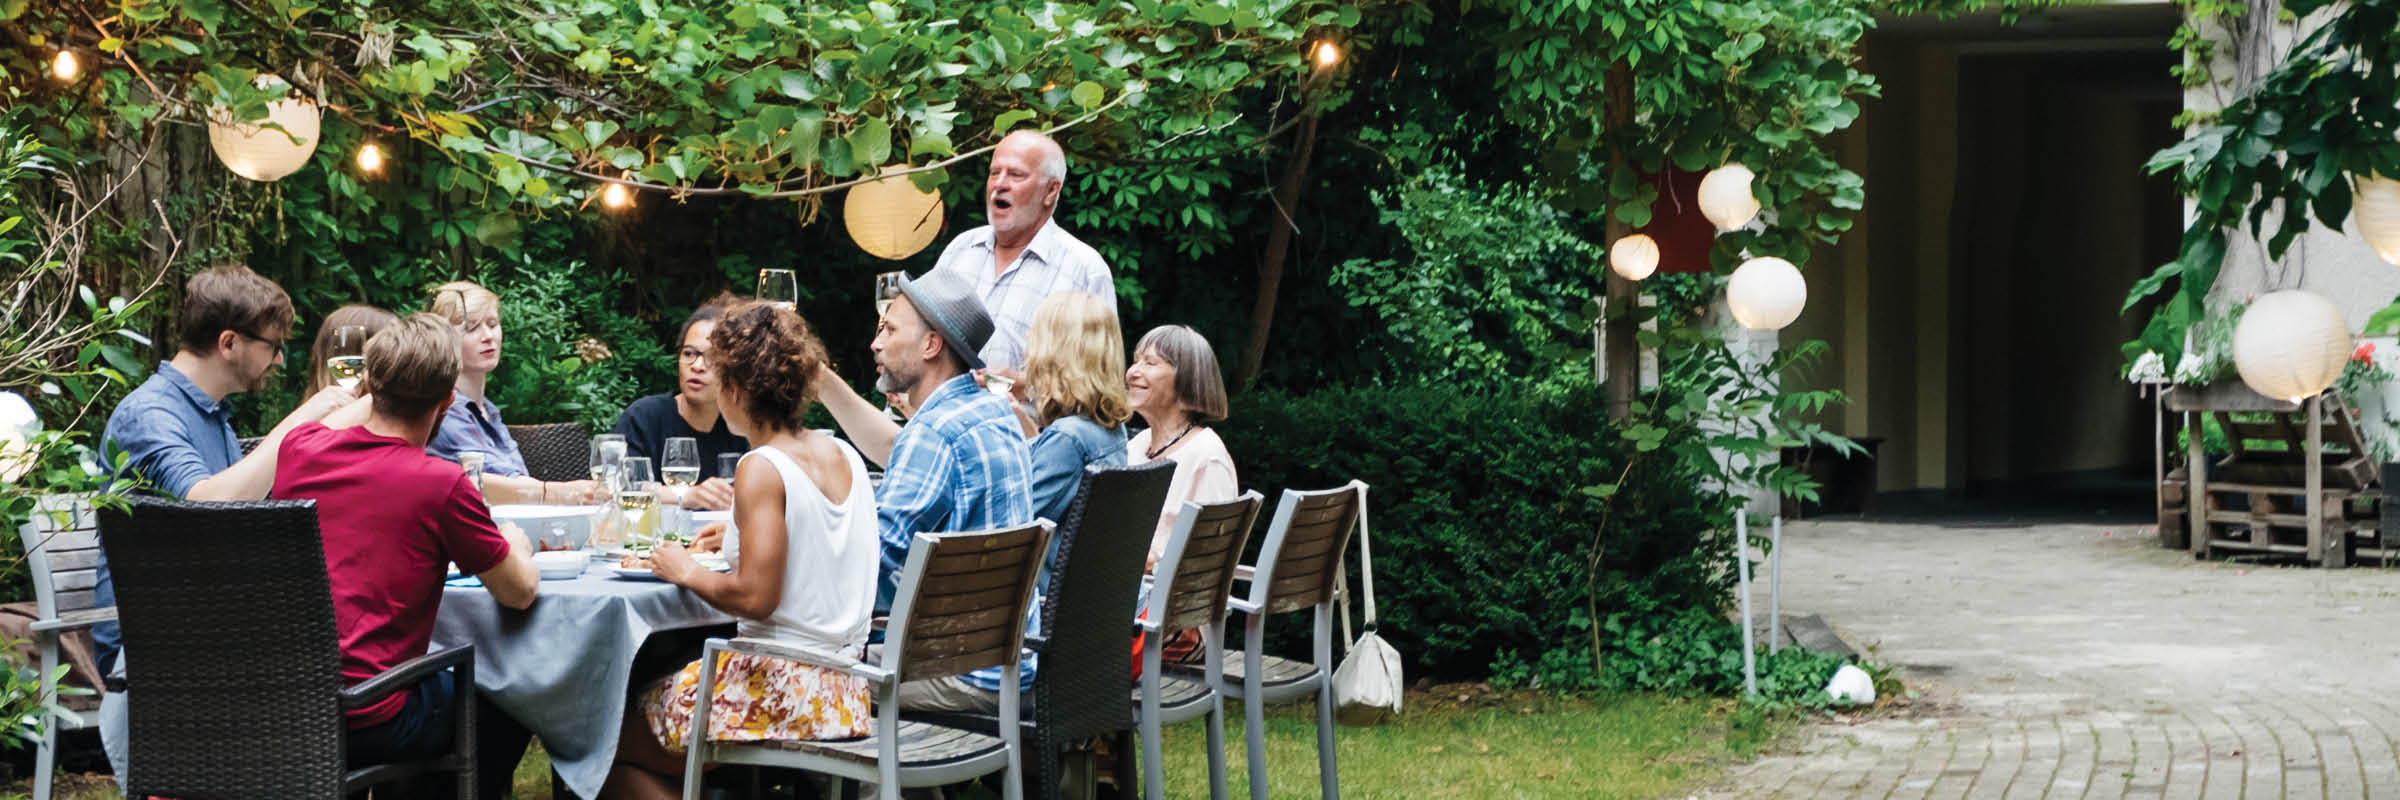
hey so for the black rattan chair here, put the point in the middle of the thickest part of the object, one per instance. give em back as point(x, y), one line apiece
point(560, 451)
point(1086, 636)
point(250, 444)
point(237, 690)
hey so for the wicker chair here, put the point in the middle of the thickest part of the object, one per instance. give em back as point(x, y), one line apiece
point(1095, 574)
point(1299, 569)
point(961, 607)
point(238, 686)
point(1195, 576)
point(62, 550)
point(559, 451)
point(250, 444)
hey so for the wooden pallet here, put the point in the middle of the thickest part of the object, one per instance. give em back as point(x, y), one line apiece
point(2302, 471)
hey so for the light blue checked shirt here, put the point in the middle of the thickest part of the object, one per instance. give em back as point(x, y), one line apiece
point(1055, 261)
point(960, 464)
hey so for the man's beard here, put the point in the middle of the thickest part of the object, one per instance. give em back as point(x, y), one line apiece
point(883, 383)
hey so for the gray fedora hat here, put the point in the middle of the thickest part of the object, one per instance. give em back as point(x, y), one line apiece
point(951, 307)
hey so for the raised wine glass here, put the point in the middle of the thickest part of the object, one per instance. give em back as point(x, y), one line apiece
point(887, 286)
point(346, 356)
point(779, 286)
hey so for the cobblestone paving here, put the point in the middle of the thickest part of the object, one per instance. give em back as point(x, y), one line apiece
point(2071, 661)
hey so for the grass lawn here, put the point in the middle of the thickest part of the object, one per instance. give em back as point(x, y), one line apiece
point(1454, 742)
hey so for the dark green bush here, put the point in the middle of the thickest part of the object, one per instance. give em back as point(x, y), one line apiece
point(1482, 530)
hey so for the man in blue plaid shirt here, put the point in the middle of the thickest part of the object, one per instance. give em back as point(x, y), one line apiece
point(960, 464)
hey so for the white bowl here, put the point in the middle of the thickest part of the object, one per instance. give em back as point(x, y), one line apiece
point(560, 564)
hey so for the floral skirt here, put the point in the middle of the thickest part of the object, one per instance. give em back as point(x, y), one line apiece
point(761, 699)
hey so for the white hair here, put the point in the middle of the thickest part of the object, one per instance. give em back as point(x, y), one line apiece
point(1054, 157)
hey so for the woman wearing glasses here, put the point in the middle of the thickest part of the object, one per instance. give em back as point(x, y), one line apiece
point(473, 424)
point(690, 411)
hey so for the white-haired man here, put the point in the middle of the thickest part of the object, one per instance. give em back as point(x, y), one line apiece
point(1023, 257)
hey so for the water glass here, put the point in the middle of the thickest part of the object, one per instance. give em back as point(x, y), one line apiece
point(471, 462)
point(779, 286)
point(608, 459)
point(727, 464)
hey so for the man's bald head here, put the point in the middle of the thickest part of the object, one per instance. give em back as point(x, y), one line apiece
point(1020, 194)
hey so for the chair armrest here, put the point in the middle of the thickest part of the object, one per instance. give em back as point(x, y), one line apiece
point(75, 619)
point(373, 689)
point(1245, 572)
point(804, 655)
point(1241, 605)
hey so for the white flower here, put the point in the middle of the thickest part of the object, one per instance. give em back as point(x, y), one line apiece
point(18, 424)
point(2150, 368)
point(2188, 370)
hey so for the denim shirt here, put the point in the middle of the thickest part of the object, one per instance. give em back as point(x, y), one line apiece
point(1059, 455)
point(174, 436)
point(960, 464)
point(475, 427)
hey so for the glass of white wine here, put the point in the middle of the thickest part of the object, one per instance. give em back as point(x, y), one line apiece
point(346, 356)
point(779, 286)
point(679, 467)
point(636, 498)
point(887, 287)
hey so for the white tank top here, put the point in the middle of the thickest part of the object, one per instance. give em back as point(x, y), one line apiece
point(831, 556)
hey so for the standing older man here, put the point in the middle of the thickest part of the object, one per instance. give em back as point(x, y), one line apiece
point(1023, 257)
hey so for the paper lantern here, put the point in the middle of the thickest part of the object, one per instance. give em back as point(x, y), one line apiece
point(2376, 209)
point(890, 217)
point(261, 153)
point(18, 426)
point(1766, 293)
point(2291, 344)
point(1725, 197)
point(1633, 257)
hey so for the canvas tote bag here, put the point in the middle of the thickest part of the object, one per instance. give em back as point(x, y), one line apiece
point(1366, 687)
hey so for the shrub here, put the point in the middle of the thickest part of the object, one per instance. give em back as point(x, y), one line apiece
point(1482, 532)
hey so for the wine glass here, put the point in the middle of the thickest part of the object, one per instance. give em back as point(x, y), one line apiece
point(346, 355)
point(635, 499)
point(779, 286)
point(679, 463)
point(887, 286)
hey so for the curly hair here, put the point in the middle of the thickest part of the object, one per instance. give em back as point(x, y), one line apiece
point(768, 353)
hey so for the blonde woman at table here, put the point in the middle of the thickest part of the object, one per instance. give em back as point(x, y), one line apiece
point(804, 555)
point(473, 423)
point(1175, 386)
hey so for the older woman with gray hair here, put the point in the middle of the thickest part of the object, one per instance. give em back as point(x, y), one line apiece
point(1174, 384)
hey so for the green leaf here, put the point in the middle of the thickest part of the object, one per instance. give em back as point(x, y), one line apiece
point(497, 230)
point(1089, 94)
point(871, 142)
point(1009, 119)
point(594, 61)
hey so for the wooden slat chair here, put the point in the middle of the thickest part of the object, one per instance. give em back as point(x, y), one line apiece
point(62, 553)
point(961, 607)
point(1094, 574)
point(237, 688)
point(560, 451)
point(1299, 569)
point(1195, 576)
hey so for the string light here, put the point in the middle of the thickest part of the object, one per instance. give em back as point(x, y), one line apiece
point(370, 158)
point(616, 196)
point(1327, 53)
point(65, 66)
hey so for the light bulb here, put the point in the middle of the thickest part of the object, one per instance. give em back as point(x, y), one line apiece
point(1328, 53)
point(616, 196)
point(65, 66)
point(370, 158)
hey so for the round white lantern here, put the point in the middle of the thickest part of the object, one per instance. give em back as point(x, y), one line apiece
point(2376, 209)
point(1634, 257)
point(2291, 344)
point(890, 217)
point(1725, 197)
point(1766, 293)
point(18, 426)
point(260, 153)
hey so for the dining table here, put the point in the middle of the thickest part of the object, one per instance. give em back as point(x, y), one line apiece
point(563, 666)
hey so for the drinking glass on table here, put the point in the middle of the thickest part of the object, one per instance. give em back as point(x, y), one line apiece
point(608, 457)
point(471, 462)
point(636, 498)
point(727, 464)
point(346, 357)
point(779, 286)
point(679, 466)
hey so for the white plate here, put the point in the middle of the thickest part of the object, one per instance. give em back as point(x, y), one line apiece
point(700, 518)
point(638, 573)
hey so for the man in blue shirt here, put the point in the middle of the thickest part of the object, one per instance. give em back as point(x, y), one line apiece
point(176, 430)
point(960, 464)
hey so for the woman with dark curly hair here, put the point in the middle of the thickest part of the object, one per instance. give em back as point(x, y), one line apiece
point(804, 557)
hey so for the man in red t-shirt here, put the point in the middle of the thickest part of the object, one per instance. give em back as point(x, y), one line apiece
point(392, 516)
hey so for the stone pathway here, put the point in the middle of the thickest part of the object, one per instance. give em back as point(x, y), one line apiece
point(2084, 661)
